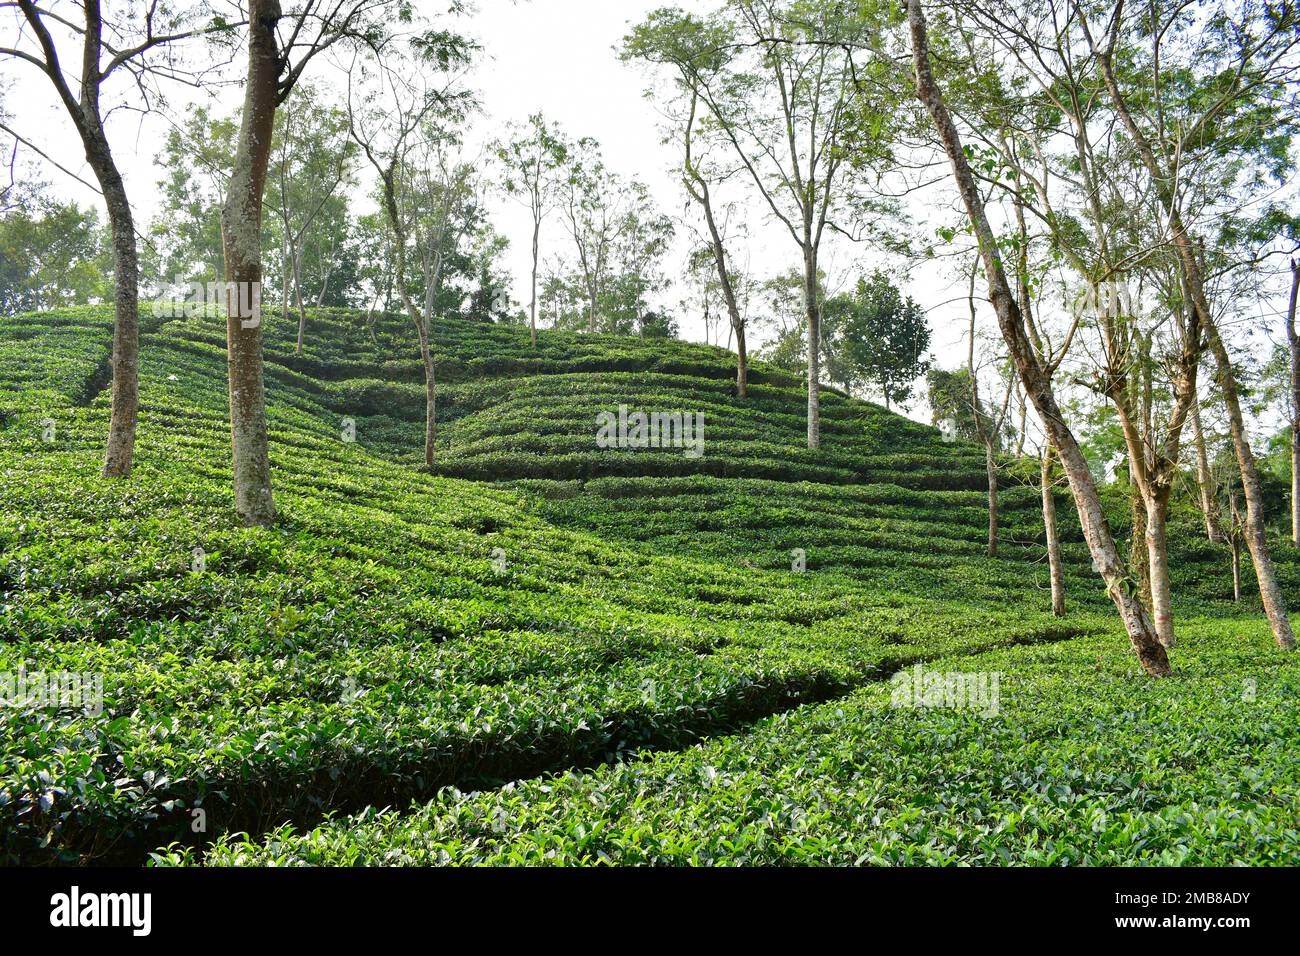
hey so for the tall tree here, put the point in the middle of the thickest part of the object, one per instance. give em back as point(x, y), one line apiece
point(533, 160)
point(881, 337)
point(311, 160)
point(185, 235)
point(1112, 227)
point(1055, 567)
point(131, 40)
point(699, 188)
point(693, 52)
point(273, 71)
point(1206, 487)
point(1253, 51)
point(781, 92)
point(1037, 382)
point(390, 128)
point(52, 253)
point(618, 237)
point(990, 421)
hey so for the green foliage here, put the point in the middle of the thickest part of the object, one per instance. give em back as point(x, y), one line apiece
point(1110, 777)
point(619, 238)
point(52, 254)
point(877, 337)
point(951, 403)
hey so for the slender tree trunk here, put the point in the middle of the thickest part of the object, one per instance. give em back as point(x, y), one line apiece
point(286, 269)
point(371, 318)
point(325, 279)
point(1205, 480)
point(423, 329)
point(1293, 341)
point(1037, 384)
point(1162, 611)
point(532, 302)
point(430, 395)
point(986, 431)
point(728, 290)
point(1270, 591)
point(1234, 539)
point(742, 358)
point(1139, 567)
point(991, 470)
point(241, 235)
point(1054, 567)
point(812, 309)
point(297, 293)
point(1024, 414)
point(124, 401)
point(430, 286)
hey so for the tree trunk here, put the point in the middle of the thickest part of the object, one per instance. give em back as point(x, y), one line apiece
point(991, 470)
point(1270, 591)
point(1055, 570)
point(728, 293)
point(1293, 341)
point(698, 187)
point(1205, 480)
point(325, 279)
point(430, 285)
point(813, 310)
point(241, 234)
point(124, 359)
point(1024, 414)
point(422, 328)
point(125, 398)
point(430, 395)
point(1139, 567)
point(532, 302)
point(1162, 611)
point(1235, 542)
point(297, 294)
point(742, 358)
point(1036, 382)
point(371, 318)
point(285, 270)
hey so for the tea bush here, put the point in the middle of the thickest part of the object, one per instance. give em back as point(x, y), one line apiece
point(539, 605)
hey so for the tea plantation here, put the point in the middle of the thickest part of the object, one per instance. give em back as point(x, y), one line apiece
point(550, 652)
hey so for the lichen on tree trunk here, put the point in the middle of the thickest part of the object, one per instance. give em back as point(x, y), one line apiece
point(241, 230)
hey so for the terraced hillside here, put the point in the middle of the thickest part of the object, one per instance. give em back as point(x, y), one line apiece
point(612, 647)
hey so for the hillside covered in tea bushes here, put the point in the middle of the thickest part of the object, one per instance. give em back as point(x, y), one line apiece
point(548, 651)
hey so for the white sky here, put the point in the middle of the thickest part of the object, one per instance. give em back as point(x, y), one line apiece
point(559, 57)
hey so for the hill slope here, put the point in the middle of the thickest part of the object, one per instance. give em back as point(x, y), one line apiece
point(545, 605)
